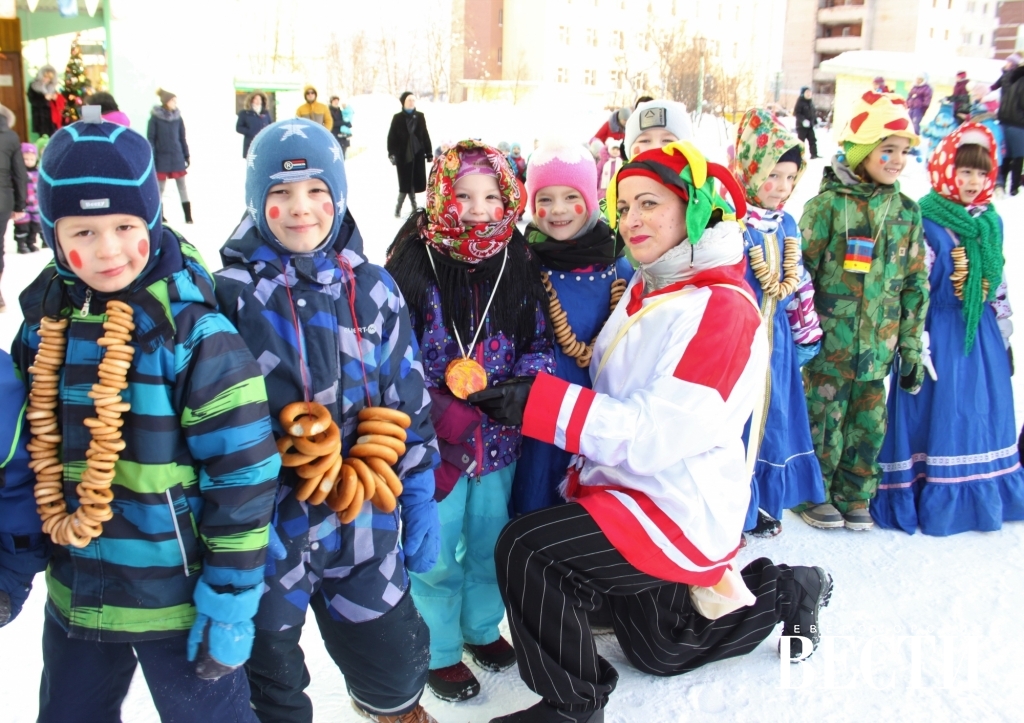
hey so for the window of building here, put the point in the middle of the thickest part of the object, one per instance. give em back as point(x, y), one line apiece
point(499, 55)
point(501, 16)
point(563, 75)
point(967, 37)
point(618, 40)
point(949, 4)
point(563, 34)
point(971, 6)
point(981, 39)
point(735, 50)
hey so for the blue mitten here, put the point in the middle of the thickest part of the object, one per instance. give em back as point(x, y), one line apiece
point(806, 352)
point(221, 637)
point(421, 535)
point(18, 565)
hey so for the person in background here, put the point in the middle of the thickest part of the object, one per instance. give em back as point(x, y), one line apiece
point(109, 109)
point(13, 186)
point(1011, 120)
point(27, 228)
point(655, 124)
point(961, 98)
point(516, 160)
point(166, 134)
point(252, 119)
point(806, 118)
point(615, 126)
point(878, 85)
point(918, 101)
point(341, 116)
point(42, 92)
point(409, 150)
point(314, 110)
point(642, 99)
point(611, 166)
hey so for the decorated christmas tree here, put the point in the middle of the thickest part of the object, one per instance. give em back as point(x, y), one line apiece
point(74, 85)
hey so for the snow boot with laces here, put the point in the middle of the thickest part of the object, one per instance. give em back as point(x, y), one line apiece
point(416, 715)
point(454, 683)
point(494, 657)
point(544, 712)
point(809, 589)
point(767, 526)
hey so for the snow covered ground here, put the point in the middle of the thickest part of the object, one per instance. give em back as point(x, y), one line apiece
point(926, 628)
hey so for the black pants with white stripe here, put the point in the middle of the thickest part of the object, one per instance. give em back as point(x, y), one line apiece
point(555, 565)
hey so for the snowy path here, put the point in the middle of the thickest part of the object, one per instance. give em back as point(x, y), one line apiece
point(935, 623)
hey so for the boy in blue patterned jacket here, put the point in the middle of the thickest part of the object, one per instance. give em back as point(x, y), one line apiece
point(176, 572)
point(328, 326)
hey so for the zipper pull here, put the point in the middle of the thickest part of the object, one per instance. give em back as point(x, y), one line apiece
point(85, 306)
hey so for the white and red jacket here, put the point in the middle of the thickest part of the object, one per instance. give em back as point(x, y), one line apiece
point(663, 468)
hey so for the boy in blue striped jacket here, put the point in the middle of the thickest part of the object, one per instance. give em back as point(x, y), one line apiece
point(177, 572)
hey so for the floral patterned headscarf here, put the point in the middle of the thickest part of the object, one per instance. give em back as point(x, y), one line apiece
point(760, 142)
point(942, 164)
point(445, 232)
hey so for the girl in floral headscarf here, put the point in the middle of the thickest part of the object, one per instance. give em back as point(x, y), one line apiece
point(769, 163)
point(950, 461)
point(478, 309)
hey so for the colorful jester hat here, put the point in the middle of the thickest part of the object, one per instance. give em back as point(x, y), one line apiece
point(942, 164)
point(445, 232)
point(875, 116)
point(685, 171)
point(761, 142)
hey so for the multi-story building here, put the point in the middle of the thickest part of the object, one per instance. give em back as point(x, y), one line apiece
point(1009, 35)
point(819, 30)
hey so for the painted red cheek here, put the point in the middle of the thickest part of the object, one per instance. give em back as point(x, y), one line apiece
point(458, 205)
point(274, 212)
point(328, 208)
point(498, 213)
point(144, 248)
point(542, 213)
point(75, 259)
point(578, 209)
point(768, 186)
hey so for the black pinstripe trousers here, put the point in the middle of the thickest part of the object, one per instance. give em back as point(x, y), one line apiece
point(555, 565)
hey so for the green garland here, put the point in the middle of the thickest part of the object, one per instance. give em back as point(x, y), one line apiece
point(982, 239)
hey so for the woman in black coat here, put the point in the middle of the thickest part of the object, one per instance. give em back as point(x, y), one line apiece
point(166, 134)
point(409, 149)
point(41, 92)
point(806, 119)
point(252, 119)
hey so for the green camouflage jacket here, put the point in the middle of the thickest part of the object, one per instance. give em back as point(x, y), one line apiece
point(865, 317)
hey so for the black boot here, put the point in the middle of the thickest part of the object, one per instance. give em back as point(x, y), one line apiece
point(807, 590)
point(544, 712)
point(186, 206)
point(398, 208)
point(23, 248)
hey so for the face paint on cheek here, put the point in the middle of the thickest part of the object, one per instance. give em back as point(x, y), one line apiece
point(328, 208)
point(144, 248)
point(542, 213)
point(578, 208)
point(75, 259)
point(459, 207)
point(274, 212)
point(498, 213)
point(884, 159)
point(767, 187)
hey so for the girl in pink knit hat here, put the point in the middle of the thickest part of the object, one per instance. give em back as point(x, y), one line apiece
point(584, 272)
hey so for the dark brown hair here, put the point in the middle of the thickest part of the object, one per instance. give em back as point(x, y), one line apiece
point(973, 155)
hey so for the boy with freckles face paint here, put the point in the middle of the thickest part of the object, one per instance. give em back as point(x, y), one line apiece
point(188, 467)
point(581, 261)
point(862, 247)
point(939, 434)
point(331, 328)
point(768, 164)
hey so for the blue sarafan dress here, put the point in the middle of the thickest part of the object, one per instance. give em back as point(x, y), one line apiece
point(584, 295)
point(786, 473)
point(950, 461)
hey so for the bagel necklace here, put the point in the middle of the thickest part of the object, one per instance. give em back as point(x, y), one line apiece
point(80, 527)
point(571, 346)
point(465, 376)
point(769, 277)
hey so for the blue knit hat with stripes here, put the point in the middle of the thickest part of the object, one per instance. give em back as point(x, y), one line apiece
point(98, 169)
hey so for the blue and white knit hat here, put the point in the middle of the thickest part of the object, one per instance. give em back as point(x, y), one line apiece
point(97, 169)
point(287, 152)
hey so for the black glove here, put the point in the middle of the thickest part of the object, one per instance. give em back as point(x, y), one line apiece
point(188, 162)
point(392, 159)
point(1009, 352)
point(912, 380)
point(504, 402)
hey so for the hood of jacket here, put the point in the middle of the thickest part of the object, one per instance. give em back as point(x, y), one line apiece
point(161, 113)
point(249, 99)
point(40, 86)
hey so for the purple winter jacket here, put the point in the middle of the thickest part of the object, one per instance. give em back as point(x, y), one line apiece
point(920, 98)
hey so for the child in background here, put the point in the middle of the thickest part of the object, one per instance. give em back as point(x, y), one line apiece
point(769, 163)
point(162, 447)
point(611, 166)
point(23, 547)
point(518, 163)
point(477, 305)
point(580, 259)
point(328, 326)
point(950, 461)
point(27, 228)
point(862, 247)
point(655, 124)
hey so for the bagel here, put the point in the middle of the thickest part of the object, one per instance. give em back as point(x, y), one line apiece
point(318, 467)
point(366, 477)
point(354, 508)
point(291, 459)
point(385, 414)
point(389, 429)
point(304, 419)
point(327, 483)
point(396, 444)
point(320, 444)
point(344, 489)
point(383, 499)
point(384, 471)
point(374, 450)
point(308, 486)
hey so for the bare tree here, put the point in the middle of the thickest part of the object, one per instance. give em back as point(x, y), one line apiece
point(438, 51)
point(363, 71)
point(520, 75)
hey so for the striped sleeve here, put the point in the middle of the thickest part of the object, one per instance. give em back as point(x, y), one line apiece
point(685, 411)
point(225, 418)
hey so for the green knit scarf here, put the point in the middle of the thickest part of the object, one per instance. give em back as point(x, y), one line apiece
point(982, 239)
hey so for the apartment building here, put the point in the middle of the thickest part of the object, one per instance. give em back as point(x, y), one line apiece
point(1009, 35)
